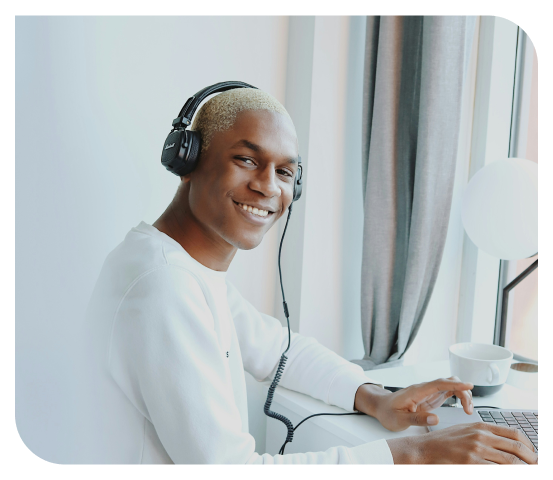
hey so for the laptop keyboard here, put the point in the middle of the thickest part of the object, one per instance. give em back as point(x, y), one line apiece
point(525, 421)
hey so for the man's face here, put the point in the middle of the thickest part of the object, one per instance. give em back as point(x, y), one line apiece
point(253, 164)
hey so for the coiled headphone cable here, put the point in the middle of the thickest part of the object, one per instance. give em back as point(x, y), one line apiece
point(282, 363)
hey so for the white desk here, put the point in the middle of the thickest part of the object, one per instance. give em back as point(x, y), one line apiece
point(321, 433)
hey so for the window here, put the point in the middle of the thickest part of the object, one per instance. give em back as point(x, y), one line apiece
point(504, 125)
point(521, 329)
point(521, 322)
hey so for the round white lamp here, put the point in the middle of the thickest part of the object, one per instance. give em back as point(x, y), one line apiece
point(500, 215)
point(500, 209)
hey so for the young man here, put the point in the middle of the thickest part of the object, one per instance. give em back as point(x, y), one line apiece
point(172, 338)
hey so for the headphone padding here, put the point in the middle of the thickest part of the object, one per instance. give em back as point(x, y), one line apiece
point(297, 192)
point(171, 156)
point(190, 147)
point(298, 183)
point(194, 144)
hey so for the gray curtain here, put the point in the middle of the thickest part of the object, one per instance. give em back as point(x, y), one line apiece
point(414, 72)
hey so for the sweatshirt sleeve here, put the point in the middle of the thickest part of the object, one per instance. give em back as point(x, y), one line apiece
point(164, 355)
point(311, 368)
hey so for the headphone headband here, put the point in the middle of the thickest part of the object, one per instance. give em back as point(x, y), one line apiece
point(187, 111)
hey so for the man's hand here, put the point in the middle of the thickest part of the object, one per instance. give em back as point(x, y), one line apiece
point(467, 443)
point(411, 406)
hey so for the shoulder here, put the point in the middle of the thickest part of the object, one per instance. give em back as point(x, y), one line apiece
point(145, 260)
point(159, 305)
point(166, 284)
point(137, 254)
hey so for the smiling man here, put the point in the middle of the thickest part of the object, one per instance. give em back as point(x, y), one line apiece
point(243, 182)
point(171, 338)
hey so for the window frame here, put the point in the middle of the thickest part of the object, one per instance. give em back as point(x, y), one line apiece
point(481, 274)
point(517, 148)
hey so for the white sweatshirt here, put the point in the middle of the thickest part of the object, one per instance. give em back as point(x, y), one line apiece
point(169, 340)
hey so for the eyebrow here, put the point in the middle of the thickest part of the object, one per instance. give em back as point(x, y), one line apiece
point(257, 148)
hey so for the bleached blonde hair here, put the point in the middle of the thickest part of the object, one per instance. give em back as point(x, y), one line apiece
point(219, 112)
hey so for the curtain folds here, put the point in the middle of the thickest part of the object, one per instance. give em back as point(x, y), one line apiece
point(414, 71)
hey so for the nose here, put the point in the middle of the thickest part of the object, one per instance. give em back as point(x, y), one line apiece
point(264, 182)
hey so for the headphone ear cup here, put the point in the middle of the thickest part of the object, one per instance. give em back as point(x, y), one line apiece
point(194, 141)
point(181, 151)
point(172, 153)
point(297, 187)
point(191, 143)
point(298, 182)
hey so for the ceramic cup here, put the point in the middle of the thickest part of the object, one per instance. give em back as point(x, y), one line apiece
point(485, 366)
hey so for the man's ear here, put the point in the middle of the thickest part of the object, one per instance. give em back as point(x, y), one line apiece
point(185, 178)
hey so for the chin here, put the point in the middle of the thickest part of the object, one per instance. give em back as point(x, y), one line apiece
point(247, 243)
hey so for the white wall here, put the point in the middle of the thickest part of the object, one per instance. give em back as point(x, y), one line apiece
point(95, 98)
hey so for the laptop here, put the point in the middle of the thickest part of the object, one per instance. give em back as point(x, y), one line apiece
point(524, 420)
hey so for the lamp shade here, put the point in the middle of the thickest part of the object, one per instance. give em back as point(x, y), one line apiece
point(500, 208)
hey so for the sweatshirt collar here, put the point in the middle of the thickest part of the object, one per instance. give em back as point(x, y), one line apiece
point(151, 230)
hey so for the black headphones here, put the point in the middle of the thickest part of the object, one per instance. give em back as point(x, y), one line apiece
point(181, 149)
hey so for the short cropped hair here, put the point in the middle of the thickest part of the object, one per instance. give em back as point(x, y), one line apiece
point(219, 112)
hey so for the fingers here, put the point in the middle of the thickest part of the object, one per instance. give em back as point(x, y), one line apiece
point(422, 419)
point(511, 433)
point(501, 457)
point(509, 443)
point(466, 401)
point(436, 400)
point(453, 384)
point(464, 395)
point(499, 445)
point(512, 451)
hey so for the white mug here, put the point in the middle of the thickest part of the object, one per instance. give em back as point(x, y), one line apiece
point(480, 364)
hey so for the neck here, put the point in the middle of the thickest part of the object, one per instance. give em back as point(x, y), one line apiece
point(202, 244)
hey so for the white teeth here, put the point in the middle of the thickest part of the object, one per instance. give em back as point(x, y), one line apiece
point(254, 210)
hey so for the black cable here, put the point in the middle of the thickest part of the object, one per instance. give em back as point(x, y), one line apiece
point(283, 358)
point(319, 414)
point(281, 451)
point(282, 363)
point(284, 304)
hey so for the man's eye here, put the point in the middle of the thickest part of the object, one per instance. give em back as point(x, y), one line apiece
point(285, 172)
point(246, 160)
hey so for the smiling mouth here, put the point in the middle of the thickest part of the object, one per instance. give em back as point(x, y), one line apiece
point(254, 210)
